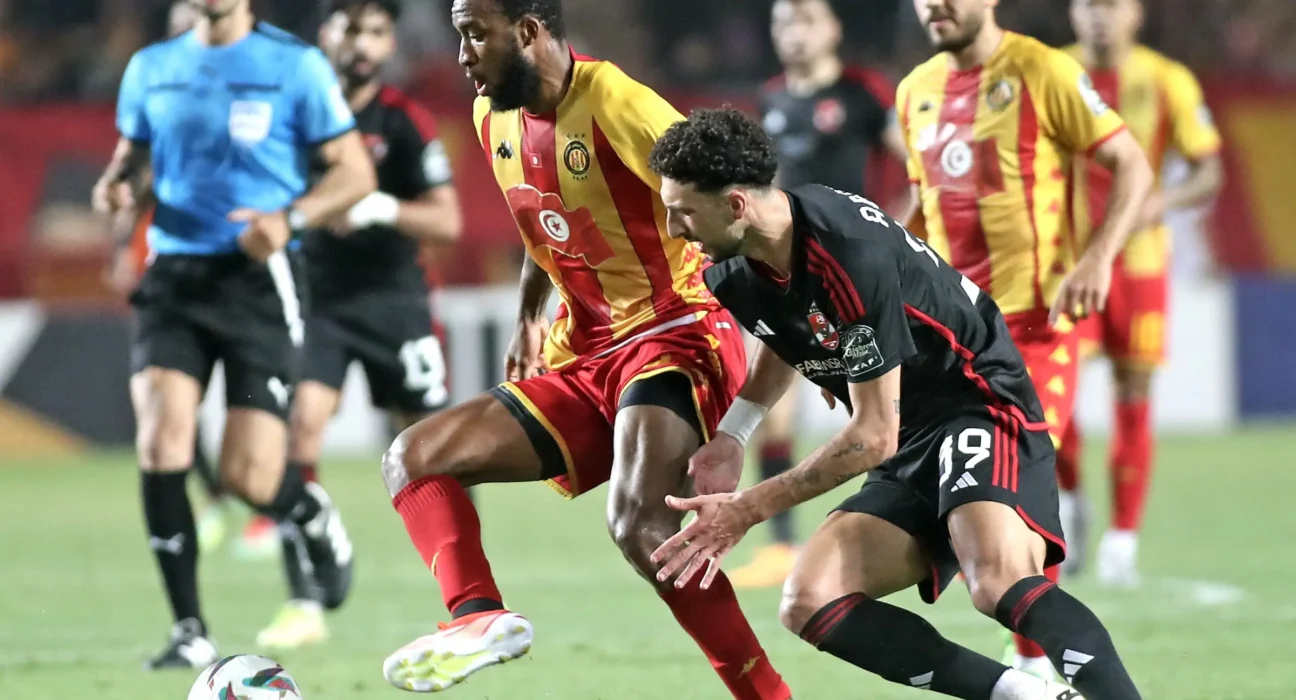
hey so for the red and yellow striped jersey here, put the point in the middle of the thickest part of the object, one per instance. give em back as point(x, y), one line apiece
point(578, 184)
point(990, 149)
point(1162, 103)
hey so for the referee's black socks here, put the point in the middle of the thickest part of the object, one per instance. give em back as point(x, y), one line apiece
point(1072, 636)
point(173, 537)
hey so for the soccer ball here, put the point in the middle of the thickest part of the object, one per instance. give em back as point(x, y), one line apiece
point(244, 677)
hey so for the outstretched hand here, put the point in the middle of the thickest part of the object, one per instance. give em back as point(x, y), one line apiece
point(717, 466)
point(721, 522)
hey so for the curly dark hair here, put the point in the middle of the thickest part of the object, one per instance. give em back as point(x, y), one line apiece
point(714, 149)
point(391, 7)
point(549, 12)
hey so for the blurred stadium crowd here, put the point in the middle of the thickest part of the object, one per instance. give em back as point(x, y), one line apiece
point(77, 49)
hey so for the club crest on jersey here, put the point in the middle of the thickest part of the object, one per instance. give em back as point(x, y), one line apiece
point(1000, 95)
point(377, 147)
point(823, 329)
point(829, 115)
point(577, 159)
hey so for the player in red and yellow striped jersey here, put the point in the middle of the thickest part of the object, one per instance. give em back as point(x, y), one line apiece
point(993, 123)
point(1163, 106)
point(634, 374)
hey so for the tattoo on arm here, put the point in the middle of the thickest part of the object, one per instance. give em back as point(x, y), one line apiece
point(897, 407)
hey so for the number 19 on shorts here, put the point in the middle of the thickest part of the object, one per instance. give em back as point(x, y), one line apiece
point(963, 453)
point(425, 369)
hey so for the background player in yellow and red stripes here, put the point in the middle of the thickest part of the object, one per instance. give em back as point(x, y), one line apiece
point(993, 124)
point(634, 374)
point(1162, 104)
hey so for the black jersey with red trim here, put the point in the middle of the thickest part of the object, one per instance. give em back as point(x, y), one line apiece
point(401, 137)
point(827, 136)
point(864, 297)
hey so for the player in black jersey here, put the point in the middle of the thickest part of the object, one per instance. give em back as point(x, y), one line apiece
point(943, 416)
point(829, 122)
point(369, 298)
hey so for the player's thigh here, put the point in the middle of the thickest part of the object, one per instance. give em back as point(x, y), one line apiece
point(851, 553)
point(519, 431)
point(658, 426)
point(171, 362)
point(314, 404)
point(254, 452)
point(998, 495)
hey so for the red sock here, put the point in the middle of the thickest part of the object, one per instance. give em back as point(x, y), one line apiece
point(716, 622)
point(443, 525)
point(1026, 647)
point(1131, 463)
point(1068, 458)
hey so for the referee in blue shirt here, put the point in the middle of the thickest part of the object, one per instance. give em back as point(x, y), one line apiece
point(220, 125)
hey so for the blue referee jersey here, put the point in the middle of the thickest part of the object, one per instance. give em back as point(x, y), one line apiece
point(229, 127)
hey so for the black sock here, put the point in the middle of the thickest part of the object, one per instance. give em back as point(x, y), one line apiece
point(202, 465)
point(297, 564)
point(173, 539)
point(1072, 636)
point(476, 605)
point(293, 503)
point(901, 647)
point(776, 458)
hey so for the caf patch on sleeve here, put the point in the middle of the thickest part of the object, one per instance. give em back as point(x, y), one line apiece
point(860, 351)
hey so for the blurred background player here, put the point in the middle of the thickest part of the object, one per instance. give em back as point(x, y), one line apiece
point(629, 381)
point(992, 123)
point(369, 297)
point(1163, 107)
point(225, 159)
point(830, 122)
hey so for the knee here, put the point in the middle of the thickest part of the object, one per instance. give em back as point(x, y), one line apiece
point(638, 531)
point(1133, 384)
point(802, 598)
point(418, 452)
point(987, 584)
point(306, 437)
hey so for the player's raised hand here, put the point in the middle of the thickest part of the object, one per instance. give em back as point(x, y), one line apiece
point(266, 232)
point(717, 466)
point(1084, 291)
point(721, 522)
point(112, 197)
point(525, 357)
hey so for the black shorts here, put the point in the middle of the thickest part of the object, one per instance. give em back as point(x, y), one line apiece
point(192, 310)
point(391, 334)
point(970, 457)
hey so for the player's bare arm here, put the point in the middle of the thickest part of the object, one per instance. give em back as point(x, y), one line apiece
point(1204, 181)
point(435, 217)
point(893, 142)
point(524, 358)
point(125, 180)
point(868, 439)
point(348, 177)
point(1084, 291)
point(717, 466)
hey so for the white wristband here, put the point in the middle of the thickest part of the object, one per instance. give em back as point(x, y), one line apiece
point(377, 209)
point(742, 419)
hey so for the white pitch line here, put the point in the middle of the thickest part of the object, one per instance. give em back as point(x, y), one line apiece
point(1205, 593)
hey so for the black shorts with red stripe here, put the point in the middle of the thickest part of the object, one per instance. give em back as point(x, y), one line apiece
point(975, 455)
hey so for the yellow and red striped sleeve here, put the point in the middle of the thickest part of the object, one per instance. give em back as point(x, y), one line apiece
point(1070, 109)
point(1193, 131)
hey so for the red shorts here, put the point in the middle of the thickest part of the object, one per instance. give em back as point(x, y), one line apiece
point(1051, 357)
point(569, 413)
point(1131, 330)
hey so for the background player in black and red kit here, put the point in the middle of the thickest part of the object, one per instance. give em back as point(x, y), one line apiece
point(944, 418)
point(832, 124)
point(368, 292)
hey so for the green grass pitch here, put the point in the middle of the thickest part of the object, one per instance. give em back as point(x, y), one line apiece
point(80, 601)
